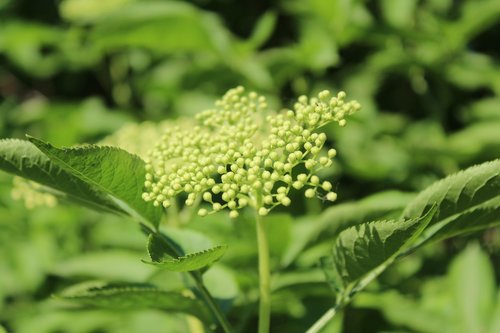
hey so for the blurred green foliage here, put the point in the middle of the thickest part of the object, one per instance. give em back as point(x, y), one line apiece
point(426, 72)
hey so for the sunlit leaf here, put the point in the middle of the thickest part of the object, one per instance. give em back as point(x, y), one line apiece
point(111, 170)
point(191, 261)
point(468, 200)
point(361, 250)
point(22, 158)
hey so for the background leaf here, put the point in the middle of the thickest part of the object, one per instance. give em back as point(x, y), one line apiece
point(461, 301)
point(115, 265)
point(473, 289)
point(136, 296)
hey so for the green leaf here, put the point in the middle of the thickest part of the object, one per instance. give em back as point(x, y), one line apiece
point(23, 159)
point(383, 205)
point(111, 170)
point(463, 301)
point(55, 318)
point(263, 29)
point(22, 42)
point(495, 318)
point(365, 250)
point(135, 296)
point(404, 311)
point(185, 240)
point(86, 11)
point(316, 49)
point(466, 201)
point(296, 278)
point(115, 265)
point(472, 283)
point(485, 109)
point(192, 261)
point(484, 216)
point(463, 202)
point(160, 247)
point(399, 13)
point(479, 141)
point(164, 27)
point(221, 282)
point(167, 253)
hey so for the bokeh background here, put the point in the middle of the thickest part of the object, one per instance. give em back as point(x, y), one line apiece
point(427, 73)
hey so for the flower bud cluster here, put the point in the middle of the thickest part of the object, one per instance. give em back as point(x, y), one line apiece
point(242, 154)
point(31, 193)
point(136, 138)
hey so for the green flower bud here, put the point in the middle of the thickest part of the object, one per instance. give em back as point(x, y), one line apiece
point(310, 193)
point(263, 211)
point(297, 184)
point(268, 199)
point(243, 202)
point(286, 201)
point(314, 180)
point(331, 196)
point(327, 186)
point(207, 196)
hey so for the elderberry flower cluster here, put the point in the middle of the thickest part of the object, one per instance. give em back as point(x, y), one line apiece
point(137, 138)
point(242, 154)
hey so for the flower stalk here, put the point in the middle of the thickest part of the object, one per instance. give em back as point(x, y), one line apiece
point(264, 276)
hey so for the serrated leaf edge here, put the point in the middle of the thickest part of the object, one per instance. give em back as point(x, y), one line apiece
point(188, 256)
point(131, 210)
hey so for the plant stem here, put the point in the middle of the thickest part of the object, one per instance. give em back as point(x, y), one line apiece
point(321, 323)
point(347, 296)
point(214, 307)
point(264, 277)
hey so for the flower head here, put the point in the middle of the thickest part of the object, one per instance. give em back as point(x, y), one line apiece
point(136, 138)
point(242, 154)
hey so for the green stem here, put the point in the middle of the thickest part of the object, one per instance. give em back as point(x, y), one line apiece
point(264, 277)
point(321, 323)
point(346, 297)
point(214, 307)
point(173, 214)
